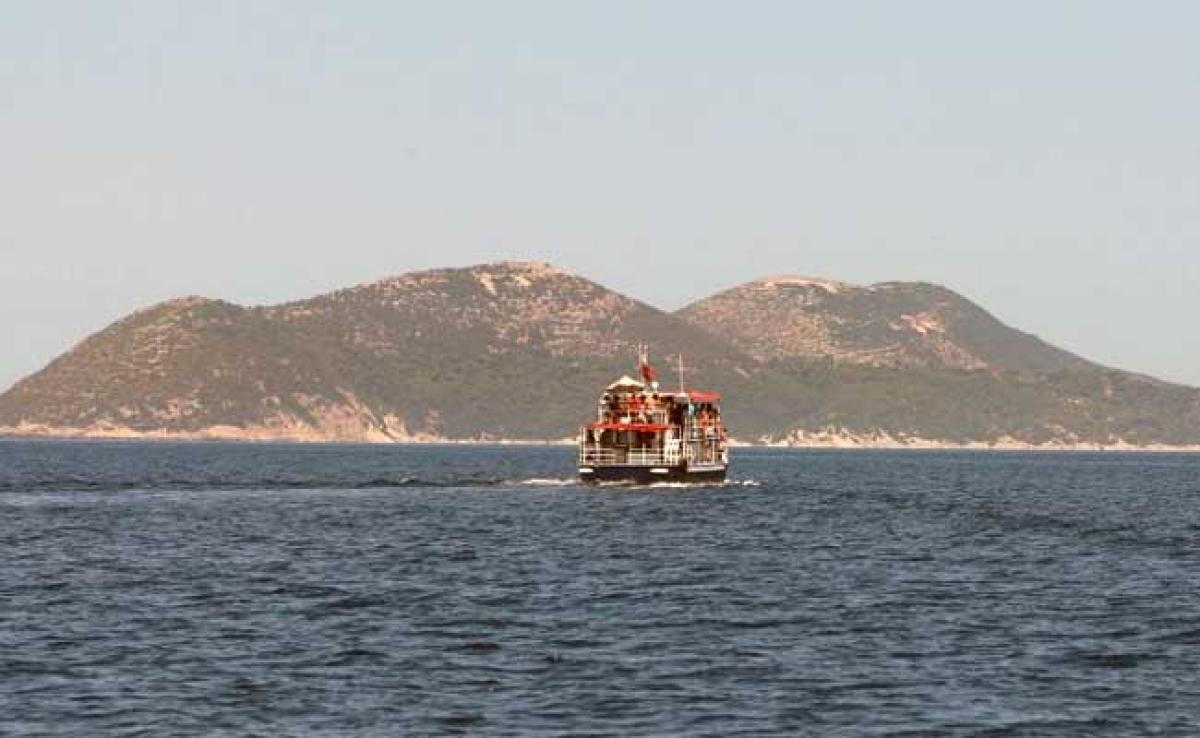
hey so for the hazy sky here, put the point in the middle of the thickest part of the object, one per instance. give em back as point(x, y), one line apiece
point(1043, 158)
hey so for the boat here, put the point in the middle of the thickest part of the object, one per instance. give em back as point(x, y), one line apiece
point(643, 434)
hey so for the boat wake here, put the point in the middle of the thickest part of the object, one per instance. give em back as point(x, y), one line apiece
point(677, 485)
point(624, 484)
point(546, 482)
point(157, 483)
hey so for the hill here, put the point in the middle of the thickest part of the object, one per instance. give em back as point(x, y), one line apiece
point(520, 349)
point(502, 350)
point(901, 361)
point(893, 324)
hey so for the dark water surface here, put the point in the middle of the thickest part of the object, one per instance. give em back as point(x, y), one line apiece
point(280, 589)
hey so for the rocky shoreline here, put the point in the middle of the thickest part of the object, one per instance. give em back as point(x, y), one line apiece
point(795, 440)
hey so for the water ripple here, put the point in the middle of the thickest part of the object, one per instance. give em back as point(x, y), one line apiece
point(192, 589)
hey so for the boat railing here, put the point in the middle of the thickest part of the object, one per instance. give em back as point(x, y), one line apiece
point(602, 456)
point(630, 417)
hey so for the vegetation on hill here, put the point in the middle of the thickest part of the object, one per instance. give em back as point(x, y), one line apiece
point(520, 350)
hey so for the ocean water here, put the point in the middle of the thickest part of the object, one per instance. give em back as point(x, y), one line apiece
point(175, 589)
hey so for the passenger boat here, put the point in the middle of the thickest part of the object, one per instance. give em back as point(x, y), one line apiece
point(643, 434)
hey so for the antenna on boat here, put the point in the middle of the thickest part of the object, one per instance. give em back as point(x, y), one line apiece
point(680, 369)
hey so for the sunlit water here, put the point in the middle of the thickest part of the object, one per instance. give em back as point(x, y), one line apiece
point(283, 589)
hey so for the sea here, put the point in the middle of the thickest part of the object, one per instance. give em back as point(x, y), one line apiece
point(153, 588)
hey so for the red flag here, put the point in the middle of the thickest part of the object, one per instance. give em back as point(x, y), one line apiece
point(648, 373)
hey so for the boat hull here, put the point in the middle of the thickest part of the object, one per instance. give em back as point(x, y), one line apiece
point(651, 474)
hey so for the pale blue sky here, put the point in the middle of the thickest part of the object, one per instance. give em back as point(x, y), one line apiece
point(1043, 158)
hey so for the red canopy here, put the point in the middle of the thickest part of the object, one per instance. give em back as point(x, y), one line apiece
point(698, 396)
point(652, 427)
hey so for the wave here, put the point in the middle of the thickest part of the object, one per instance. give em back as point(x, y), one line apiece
point(726, 483)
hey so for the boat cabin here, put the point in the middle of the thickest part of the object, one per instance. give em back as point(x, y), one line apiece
point(640, 425)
